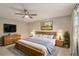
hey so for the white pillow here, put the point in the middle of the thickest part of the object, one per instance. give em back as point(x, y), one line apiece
point(38, 35)
point(50, 36)
point(45, 36)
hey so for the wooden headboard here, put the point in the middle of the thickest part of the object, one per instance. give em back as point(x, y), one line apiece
point(46, 33)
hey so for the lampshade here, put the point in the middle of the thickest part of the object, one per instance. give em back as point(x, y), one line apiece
point(33, 33)
point(60, 34)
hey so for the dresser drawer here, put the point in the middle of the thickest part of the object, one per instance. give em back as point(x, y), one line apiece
point(10, 39)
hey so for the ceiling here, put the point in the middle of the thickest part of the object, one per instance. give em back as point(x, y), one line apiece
point(43, 10)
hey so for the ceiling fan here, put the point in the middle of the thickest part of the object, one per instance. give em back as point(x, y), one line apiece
point(26, 14)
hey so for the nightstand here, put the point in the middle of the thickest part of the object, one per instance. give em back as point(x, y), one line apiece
point(59, 43)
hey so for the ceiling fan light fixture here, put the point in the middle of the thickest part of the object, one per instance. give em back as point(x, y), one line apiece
point(26, 16)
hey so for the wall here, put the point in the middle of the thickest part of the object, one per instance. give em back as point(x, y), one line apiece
point(22, 27)
point(60, 23)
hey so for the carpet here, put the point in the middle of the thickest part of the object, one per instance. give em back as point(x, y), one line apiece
point(15, 51)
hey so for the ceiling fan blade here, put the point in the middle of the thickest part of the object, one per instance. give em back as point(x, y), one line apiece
point(19, 13)
point(30, 16)
point(33, 14)
point(23, 16)
point(16, 9)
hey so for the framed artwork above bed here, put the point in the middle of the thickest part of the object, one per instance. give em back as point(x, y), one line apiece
point(48, 25)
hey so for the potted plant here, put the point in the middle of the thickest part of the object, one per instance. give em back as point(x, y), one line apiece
point(66, 39)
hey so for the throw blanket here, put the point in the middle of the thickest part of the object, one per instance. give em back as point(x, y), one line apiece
point(47, 44)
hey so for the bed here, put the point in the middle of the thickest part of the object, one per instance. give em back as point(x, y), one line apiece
point(38, 45)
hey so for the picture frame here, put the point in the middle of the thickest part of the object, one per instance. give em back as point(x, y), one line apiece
point(47, 25)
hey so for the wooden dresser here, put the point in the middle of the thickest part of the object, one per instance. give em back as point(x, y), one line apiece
point(10, 39)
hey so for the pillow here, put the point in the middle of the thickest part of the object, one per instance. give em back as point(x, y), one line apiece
point(51, 36)
point(38, 35)
point(45, 36)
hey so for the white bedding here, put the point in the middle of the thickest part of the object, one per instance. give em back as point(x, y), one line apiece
point(39, 46)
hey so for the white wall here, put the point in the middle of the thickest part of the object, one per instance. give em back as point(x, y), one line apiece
point(61, 23)
point(22, 27)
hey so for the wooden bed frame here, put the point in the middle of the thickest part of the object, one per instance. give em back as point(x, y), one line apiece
point(31, 51)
